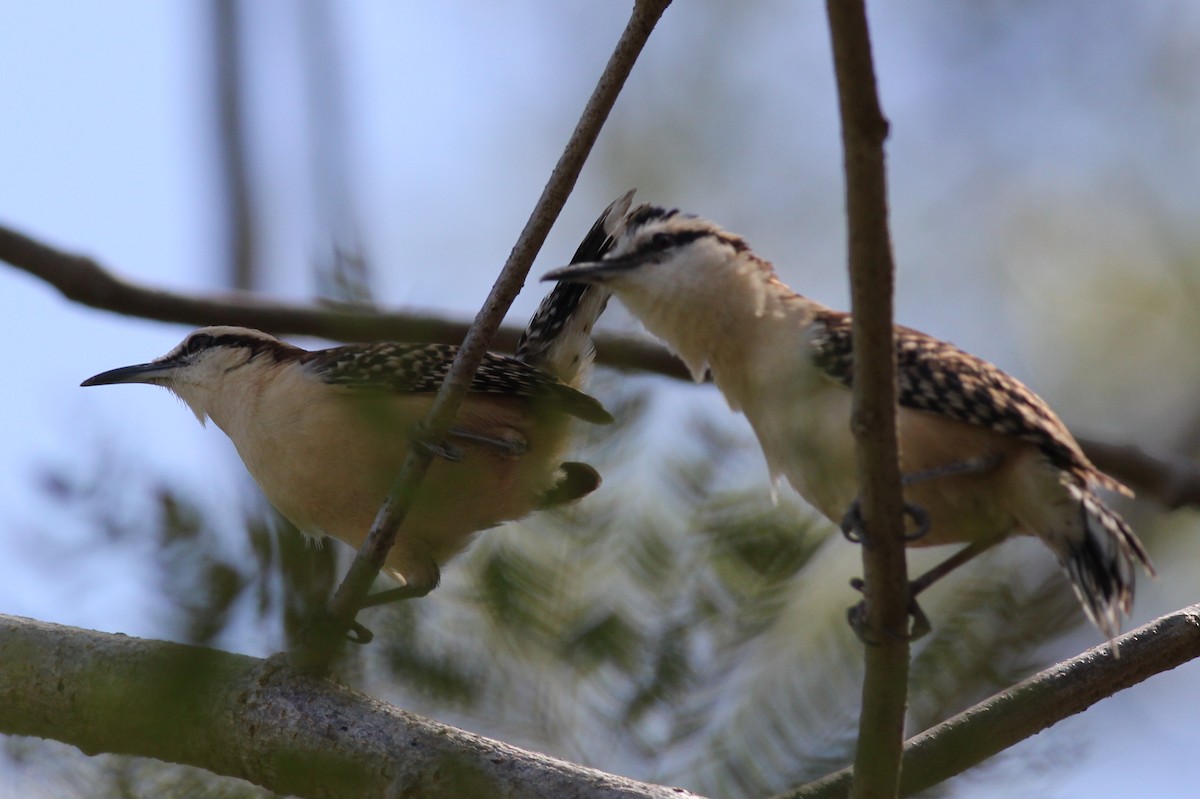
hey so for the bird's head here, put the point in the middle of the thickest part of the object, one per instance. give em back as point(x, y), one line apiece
point(659, 252)
point(685, 278)
point(198, 368)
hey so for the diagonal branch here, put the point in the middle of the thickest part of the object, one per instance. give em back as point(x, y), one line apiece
point(82, 280)
point(1061, 691)
point(371, 555)
point(872, 275)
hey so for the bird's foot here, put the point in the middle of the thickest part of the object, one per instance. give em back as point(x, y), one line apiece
point(357, 633)
point(857, 618)
point(853, 529)
point(392, 595)
point(321, 633)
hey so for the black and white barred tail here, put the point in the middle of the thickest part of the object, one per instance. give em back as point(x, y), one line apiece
point(558, 338)
point(1102, 562)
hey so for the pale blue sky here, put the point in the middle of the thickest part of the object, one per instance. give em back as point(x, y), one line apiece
point(456, 112)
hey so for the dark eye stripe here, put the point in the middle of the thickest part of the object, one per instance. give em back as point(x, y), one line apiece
point(198, 342)
point(277, 350)
point(665, 241)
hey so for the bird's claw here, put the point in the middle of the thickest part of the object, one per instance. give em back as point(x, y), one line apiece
point(920, 519)
point(856, 616)
point(854, 531)
point(358, 634)
point(852, 522)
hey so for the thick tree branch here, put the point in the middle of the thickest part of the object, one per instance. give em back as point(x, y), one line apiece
point(872, 277)
point(262, 722)
point(371, 555)
point(1033, 705)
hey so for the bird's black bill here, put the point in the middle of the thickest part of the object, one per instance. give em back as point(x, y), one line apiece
point(139, 373)
point(595, 271)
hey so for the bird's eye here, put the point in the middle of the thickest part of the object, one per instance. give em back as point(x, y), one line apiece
point(661, 241)
point(196, 343)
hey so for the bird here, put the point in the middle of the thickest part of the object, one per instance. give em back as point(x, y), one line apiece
point(982, 457)
point(324, 432)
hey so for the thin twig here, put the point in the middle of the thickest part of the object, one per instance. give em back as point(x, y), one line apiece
point(1171, 480)
point(872, 275)
point(228, 102)
point(1033, 705)
point(371, 555)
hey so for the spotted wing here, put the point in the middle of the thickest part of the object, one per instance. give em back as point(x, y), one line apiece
point(937, 377)
point(422, 368)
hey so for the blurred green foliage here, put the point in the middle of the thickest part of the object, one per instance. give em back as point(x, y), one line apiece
point(664, 627)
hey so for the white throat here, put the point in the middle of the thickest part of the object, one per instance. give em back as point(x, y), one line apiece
point(741, 298)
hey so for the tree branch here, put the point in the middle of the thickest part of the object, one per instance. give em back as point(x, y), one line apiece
point(1033, 705)
point(371, 555)
point(229, 104)
point(82, 280)
point(260, 721)
point(872, 275)
point(1170, 480)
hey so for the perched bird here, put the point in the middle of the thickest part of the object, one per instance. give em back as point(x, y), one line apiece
point(324, 433)
point(983, 457)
